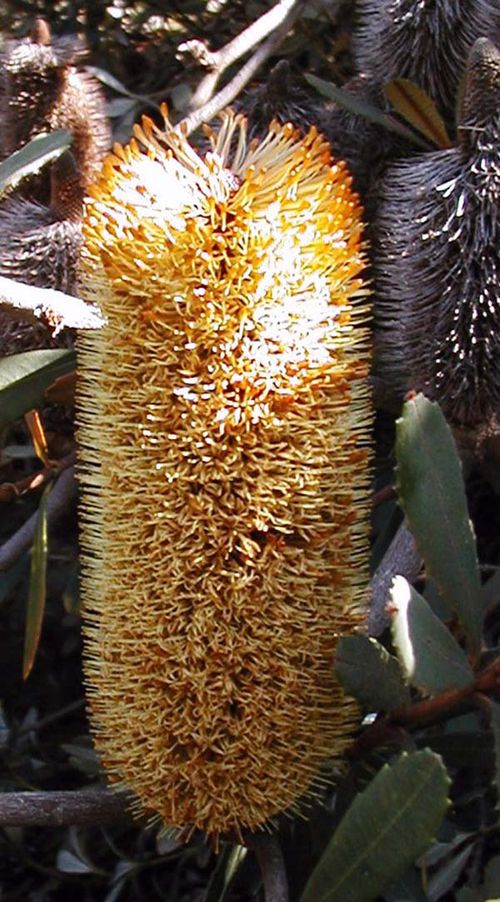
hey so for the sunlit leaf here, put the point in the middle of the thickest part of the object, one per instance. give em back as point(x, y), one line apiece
point(227, 866)
point(431, 658)
point(431, 493)
point(32, 157)
point(386, 828)
point(37, 586)
point(415, 105)
point(34, 423)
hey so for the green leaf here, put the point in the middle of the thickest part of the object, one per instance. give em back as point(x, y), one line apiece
point(32, 157)
point(25, 377)
point(38, 586)
point(225, 871)
point(369, 673)
point(431, 493)
point(490, 592)
point(386, 828)
point(430, 657)
point(446, 876)
point(415, 105)
point(354, 104)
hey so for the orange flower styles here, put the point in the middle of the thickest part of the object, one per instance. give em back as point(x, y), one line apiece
point(224, 417)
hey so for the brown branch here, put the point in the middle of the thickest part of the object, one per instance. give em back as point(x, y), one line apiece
point(400, 559)
point(281, 17)
point(272, 866)
point(46, 305)
point(62, 494)
point(63, 809)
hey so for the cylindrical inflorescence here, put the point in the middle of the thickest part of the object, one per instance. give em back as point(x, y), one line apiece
point(224, 416)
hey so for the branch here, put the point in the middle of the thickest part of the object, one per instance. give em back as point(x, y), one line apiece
point(401, 558)
point(62, 494)
point(56, 309)
point(63, 809)
point(283, 15)
point(272, 866)
point(204, 105)
point(11, 490)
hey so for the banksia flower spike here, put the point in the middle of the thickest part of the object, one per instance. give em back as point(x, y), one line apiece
point(223, 415)
point(426, 41)
point(437, 259)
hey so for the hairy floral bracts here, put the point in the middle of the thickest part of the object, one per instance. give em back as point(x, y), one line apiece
point(437, 259)
point(426, 41)
point(224, 417)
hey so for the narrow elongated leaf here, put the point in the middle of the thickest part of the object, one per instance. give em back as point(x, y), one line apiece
point(225, 871)
point(431, 658)
point(36, 429)
point(24, 378)
point(369, 673)
point(415, 105)
point(386, 828)
point(37, 587)
point(366, 110)
point(432, 495)
point(32, 157)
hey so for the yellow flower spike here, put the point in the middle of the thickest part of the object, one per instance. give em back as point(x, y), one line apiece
point(224, 416)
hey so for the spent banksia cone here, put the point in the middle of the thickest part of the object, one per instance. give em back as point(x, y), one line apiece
point(224, 415)
point(426, 41)
point(437, 259)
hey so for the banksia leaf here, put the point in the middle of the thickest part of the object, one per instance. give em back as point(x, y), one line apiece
point(386, 828)
point(432, 659)
point(370, 674)
point(414, 105)
point(37, 586)
point(223, 413)
point(24, 378)
point(431, 493)
point(32, 157)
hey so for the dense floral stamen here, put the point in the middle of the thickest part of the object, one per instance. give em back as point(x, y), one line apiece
point(224, 415)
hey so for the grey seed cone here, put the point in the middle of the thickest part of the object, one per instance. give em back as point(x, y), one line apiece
point(426, 42)
point(40, 246)
point(437, 260)
point(42, 89)
point(282, 97)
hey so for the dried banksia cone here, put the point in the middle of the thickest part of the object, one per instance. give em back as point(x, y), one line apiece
point(41, 246)
point(437, 259)
point(281, 97)
point(42, 89)
point(426, 42)
point(223, 415)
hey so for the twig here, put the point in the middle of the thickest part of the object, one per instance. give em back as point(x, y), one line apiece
point(62, 809)
point(430, 711)
point(56, 309)
point(401, 558)
point(11, 490)
point(282, 15)
point(227, 94)
point(62, 494)
point(272, 866)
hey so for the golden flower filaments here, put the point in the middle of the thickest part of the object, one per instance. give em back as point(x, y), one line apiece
point(223, 421)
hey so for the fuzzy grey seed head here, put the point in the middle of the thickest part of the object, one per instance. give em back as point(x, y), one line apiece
point(426, 41)
point(41, 89)
point(37, 248)
point(282, 97)
point(437, 261)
